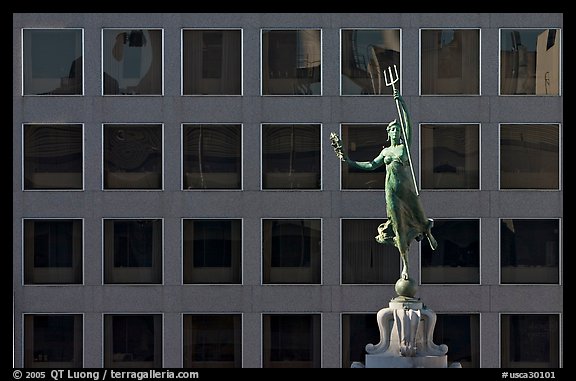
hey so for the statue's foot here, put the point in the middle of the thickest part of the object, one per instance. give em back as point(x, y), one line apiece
point(405, 274)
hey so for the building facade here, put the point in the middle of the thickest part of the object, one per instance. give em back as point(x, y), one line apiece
point(176, 200)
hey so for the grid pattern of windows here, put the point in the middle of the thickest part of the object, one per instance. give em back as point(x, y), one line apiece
point(247, 243)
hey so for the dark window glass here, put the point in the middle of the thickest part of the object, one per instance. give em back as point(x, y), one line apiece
point(291, 251)
point(212, 341)
point(52, 251)
point(461, 333)
point(450, 156)
point(457, 257)
point(366, 54)
point(132, 156)
point(132, 61)
point(529, 251)
point(53, 156)
point(132, 341)
point(530, 61)
point(365, 261)
point(291, 156)
point(530, 341)
point(450, 62)
point(52, 341)
point(212, 251)
point(357, 331)
point(212, 156)
point(212, 62)
point(52, 62)
point(291, 62)
point(363, 142)
point(132, 251)
point(529, 156)
point(291, 341)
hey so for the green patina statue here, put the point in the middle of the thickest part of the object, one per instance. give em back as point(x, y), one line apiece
point(406, 218)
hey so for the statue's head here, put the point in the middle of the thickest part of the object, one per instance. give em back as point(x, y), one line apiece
point(394, 132)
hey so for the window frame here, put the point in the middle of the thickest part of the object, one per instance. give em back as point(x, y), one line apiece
point(340, 62)
point(261, 45)
point(320, 151)
point(161, 29)
point(182, 153)
point(420, 146)
point(22, 158)
point(103, 158)
point(479, 29)
point(560, 154)
point(559, 31)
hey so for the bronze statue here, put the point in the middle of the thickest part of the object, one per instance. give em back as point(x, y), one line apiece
point(406, 218)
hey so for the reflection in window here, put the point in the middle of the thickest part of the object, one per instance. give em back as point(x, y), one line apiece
point(291, 251)
point(133, 251)
point(53, 341)
point(529, 156)
point(291, 62)
point(132, 61)
point(52, 251)
point(365, 55)
point(53, 156)
point(211, 62)
point(132, 156)
point(357, 331)
point(530, 61)
point(291, 341)
point(52, 62)
point(529, 251)
point(461, 333)
point(450, 156)
point(530, 341)
point(363, 142)
point(457, 257)
point(212, 156)
point(132, 341)
point(212, 251)
point(365, 261)
point(450, 62)
point(213, 341)
point(291, 156)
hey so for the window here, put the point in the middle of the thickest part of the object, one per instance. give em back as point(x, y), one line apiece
point(365, 55)
point(212, 251)
point(457, 257)
point(212, 156)
point(291, 251)
point(212, 62)
point(450, 156)
point(213, 341)
point(461, 333)
point(357, 331)
point(53, 341)
point(529, 251)
point(291, 62)
point(530, 341)
point(132, 61)
point(133, 156)
point(53, 157)
point(52, 251)
point(52, 62)
point(133, 341)
point(450, 62)
point(133, 251)
point(365, 261)
point(291, 341)
point(291, 156)
point(530, 61)
point(529, 156)
point(363, 142)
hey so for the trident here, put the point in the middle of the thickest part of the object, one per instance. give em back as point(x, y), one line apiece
point(390, 80)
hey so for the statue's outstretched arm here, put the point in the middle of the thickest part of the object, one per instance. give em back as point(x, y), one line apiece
point(367, 165)
point(405, 116)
